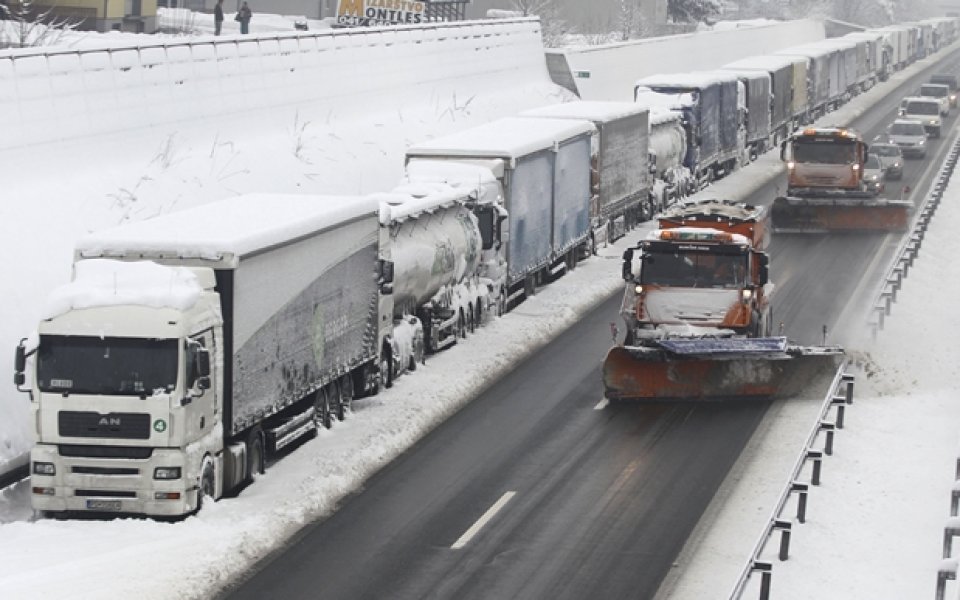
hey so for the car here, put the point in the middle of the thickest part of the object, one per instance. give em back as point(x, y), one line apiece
point(949, 80)
point(939, 91)
point(892, 157)
point(874, 174)
point(925, 110)
point(910, 135)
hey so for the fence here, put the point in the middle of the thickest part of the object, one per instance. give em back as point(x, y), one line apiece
point(839, 396)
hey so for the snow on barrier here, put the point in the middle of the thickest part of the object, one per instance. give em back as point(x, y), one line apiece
point(839, 395)
point(51, 95)
point(607, 72)
point(910, 246)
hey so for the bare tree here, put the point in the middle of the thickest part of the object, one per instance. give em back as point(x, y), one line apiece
point(27, 25)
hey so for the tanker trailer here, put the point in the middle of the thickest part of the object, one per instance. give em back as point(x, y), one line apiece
point(432, 238)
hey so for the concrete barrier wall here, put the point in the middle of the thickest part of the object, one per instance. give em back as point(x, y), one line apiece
point(600, 71)
point(62, 95)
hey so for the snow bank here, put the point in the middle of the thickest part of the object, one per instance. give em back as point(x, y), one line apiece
point(606, 72)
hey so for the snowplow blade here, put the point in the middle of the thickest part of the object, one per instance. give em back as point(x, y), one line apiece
point(821, 215)
point(700, 370)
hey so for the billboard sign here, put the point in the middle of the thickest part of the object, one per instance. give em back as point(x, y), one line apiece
point(366, 13)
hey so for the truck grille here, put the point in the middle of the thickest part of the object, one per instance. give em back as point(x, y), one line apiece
point(105, 471)
point(105, 451)
point(129, 426)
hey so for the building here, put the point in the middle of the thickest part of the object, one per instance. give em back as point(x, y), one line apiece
point(595, 16)
point(139, 16)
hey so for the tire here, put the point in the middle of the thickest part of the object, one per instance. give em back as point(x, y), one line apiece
point(501, 308)
point(346, 397)
point(461, 327)
point(322, 415)
point(208, 482)
point(386, 368)
point(471, 319)
point(256, 454)
point(334, 395)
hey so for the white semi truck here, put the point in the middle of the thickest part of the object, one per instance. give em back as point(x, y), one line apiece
point(531, 178)
point(188, 347)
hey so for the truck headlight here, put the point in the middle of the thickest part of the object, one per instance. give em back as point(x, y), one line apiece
point(166, 473)
point(745, 295)
point(791, 164)
point(44, 468)
point(638, 289)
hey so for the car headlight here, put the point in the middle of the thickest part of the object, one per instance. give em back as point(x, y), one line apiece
point(921, 142)
point(873, 177)
point(166, 473)
point(44, 468)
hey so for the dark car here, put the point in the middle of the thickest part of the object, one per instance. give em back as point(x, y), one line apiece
point(950, 81)
point(892, 158)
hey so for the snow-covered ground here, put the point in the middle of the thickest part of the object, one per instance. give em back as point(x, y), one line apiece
point(881, 506)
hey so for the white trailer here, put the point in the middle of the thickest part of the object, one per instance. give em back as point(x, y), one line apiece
point(190, 345)
point(623, 182)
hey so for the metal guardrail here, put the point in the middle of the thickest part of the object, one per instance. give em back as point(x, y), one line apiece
point(839, 395)
point(910, 247)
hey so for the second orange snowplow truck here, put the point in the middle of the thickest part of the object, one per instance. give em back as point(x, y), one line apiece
point(698, 314)
point(826, 190)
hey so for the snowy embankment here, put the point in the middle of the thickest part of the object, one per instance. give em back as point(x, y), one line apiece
point(702, 51)
point(95, 139)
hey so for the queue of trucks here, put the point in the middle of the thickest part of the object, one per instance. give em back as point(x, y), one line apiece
point(188, 348)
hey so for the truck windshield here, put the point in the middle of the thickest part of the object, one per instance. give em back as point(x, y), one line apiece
point(830, 153)
point(694, 269)
point(107, 366)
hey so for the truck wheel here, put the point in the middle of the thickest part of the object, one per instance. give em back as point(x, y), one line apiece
point(256, 453)
point(502, 304)
point(208, 482)
point(471, 319)
point(461, 327)
point(346, 397)
point(321, 409)
point(386, 368)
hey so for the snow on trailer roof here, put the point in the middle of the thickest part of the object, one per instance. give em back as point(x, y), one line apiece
point(410, 200)
point(590, 110)
point(453, 173)
point(808, 50)
point(695, 79)
point(659, 115)
point(227, 229)
point(510, 137)
point(764, 62)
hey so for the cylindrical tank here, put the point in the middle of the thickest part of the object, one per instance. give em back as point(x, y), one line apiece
point(668, 140)
point(434, 241)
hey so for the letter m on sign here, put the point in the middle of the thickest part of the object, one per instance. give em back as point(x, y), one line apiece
point(353, 8)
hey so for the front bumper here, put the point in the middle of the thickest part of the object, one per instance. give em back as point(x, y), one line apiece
point(111, 485)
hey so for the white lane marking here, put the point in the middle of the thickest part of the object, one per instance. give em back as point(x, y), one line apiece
point(476, 527)
point(602, 404)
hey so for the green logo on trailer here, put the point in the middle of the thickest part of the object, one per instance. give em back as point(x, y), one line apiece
point(159, 425)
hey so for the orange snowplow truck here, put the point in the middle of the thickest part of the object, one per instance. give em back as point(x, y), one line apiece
point(826, 190)
point(697, 310)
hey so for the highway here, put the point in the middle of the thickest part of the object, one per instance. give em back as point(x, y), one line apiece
point(537, 490)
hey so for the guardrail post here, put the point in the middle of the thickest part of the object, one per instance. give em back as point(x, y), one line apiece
point(784, 527)
point(766, 574)
point(955, 498)
point(800, 488)
point(817, 458)
point(946, 572)
point(828, 444)
point(951, 529)
point(848, 379)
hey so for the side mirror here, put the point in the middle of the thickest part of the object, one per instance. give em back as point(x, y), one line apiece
point(764, 269)
point(203, 363)
point(627, 268)
point(20, 365)
point(203, 383)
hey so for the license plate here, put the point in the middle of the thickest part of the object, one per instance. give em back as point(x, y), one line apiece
point(103, 505)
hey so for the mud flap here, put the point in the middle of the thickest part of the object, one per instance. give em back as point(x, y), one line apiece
point(770, 369)
point(822, 215)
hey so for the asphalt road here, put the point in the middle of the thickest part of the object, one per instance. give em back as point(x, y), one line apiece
point(588, 502)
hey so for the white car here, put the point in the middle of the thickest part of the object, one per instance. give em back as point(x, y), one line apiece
point(910, 135)
point(939, 91)
point(925, 110)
